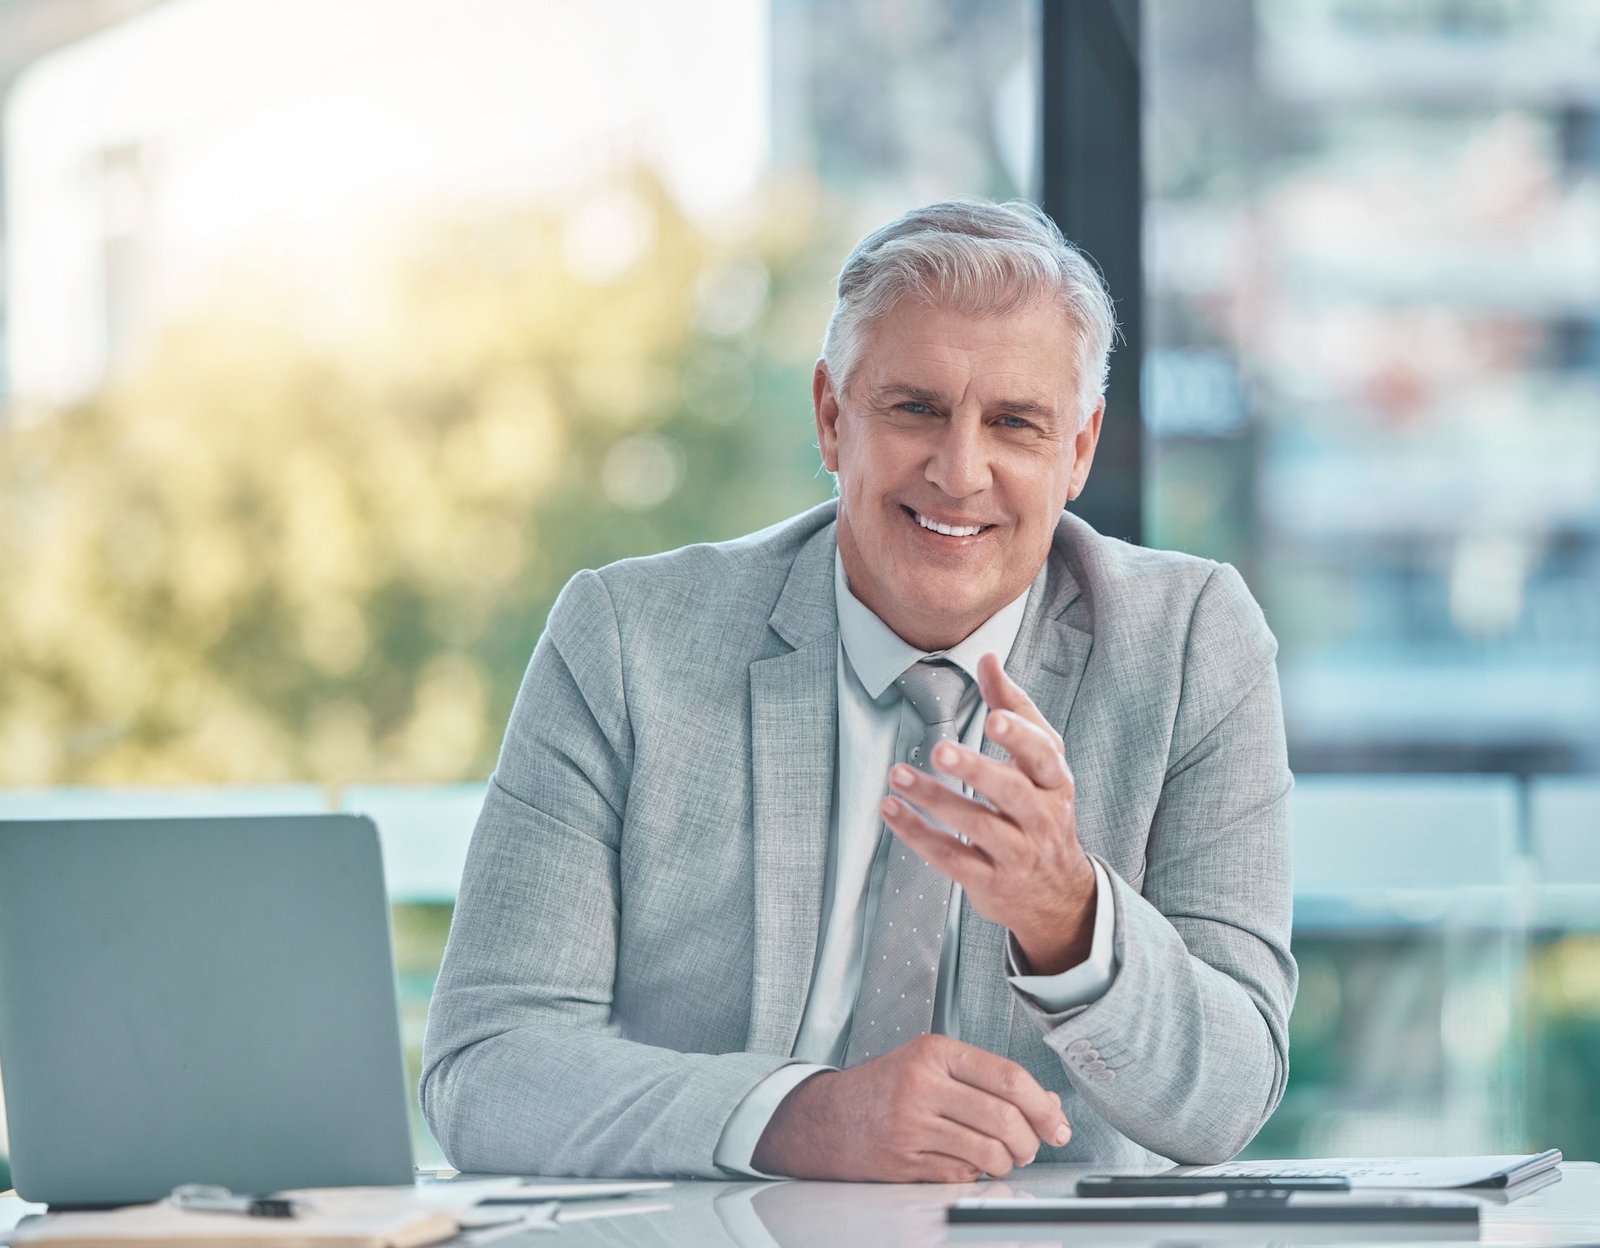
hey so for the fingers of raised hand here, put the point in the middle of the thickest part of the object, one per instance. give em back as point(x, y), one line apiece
point(1036, 750)
point(986, 830)
point(1030, 787)
point(1017, 802)
point(1001, 693)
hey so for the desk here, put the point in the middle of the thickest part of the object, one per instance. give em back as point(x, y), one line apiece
point(872, 1215)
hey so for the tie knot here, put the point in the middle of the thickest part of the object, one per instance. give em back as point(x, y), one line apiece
point(935, 689)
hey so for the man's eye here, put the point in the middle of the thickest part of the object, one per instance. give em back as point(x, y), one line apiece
point(916, 409)
point(1014, 422)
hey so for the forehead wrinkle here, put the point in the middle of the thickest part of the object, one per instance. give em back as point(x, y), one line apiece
point(926, 364)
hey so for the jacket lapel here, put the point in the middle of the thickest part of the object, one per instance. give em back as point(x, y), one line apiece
point(794, 730)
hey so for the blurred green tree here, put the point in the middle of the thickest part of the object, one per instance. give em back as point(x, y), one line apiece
point(273, 550)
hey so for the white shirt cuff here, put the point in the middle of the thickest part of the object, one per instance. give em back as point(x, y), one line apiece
point(1081, 985)
point(742, 1132)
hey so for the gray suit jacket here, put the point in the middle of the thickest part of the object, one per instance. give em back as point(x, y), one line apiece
point(634, 938)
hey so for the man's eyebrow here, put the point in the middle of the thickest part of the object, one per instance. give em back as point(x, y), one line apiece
point(903, 390)
point(1027, 407)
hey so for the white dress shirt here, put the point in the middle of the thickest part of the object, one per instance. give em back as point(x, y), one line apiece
point(871, 658)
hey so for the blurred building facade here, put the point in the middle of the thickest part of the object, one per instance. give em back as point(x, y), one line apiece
point(1374, 283)
point(29, 30)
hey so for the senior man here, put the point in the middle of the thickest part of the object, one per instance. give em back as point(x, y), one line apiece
point(918, 836)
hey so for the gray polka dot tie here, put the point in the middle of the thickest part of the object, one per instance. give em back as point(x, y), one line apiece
point(895, 1000)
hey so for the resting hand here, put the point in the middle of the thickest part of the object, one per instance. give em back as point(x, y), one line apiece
point(1021, 865)
point(934, 1110)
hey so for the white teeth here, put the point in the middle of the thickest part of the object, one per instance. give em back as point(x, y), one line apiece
point(949, 530)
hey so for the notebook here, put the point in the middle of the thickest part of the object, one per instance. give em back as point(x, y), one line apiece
point(1499, 1171)
point(198, 1001)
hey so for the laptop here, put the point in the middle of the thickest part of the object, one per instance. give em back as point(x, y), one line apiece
point(198, 1001)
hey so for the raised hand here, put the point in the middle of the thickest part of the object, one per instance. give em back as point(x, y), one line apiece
point(1020, 863)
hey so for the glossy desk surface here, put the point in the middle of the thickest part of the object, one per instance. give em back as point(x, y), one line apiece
point(859, 1215)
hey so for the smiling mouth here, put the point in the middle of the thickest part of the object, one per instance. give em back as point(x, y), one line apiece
point(947, 530)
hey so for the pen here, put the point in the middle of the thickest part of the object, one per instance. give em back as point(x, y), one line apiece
point(206, 1198)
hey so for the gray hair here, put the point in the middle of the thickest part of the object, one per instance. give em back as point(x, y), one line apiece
point(981, 258)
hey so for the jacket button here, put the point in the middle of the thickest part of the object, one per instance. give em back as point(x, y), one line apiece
point(1078, 1046)
point(1103, 1076)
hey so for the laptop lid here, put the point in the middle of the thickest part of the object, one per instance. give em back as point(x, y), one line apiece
point(198, 1001)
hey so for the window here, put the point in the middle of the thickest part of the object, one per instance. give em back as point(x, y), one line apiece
point(340, 336)
point(1372, 380)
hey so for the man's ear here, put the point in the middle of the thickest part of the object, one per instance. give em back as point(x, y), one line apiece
point(825, 400)
point(1083, 449)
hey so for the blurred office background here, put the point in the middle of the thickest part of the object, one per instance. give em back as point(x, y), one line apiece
point(337, 335)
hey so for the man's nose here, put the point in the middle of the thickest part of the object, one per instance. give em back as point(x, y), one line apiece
point(959, 463)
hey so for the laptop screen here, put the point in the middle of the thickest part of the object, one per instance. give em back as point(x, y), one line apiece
point(198, 1001)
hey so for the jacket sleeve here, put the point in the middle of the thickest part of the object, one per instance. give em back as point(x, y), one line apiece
point(1187, 1052)
point(524, 1068)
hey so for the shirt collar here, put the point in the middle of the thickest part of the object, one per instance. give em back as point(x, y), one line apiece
point(878, 655)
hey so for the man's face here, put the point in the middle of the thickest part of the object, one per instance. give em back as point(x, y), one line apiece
point(966, 422)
